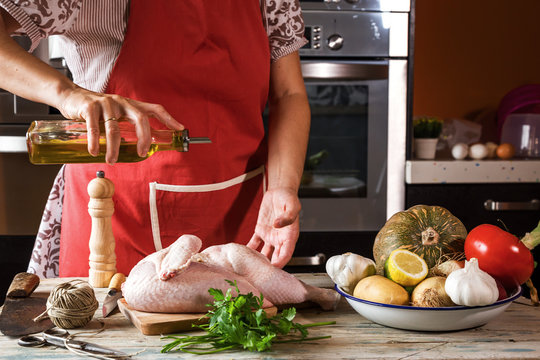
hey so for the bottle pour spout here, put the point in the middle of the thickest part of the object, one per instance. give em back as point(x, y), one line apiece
point(186, 140)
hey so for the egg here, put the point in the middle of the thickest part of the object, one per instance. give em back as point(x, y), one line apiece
point(492, 149)
point(506, 151)
point(478, 151)
point(460, 151)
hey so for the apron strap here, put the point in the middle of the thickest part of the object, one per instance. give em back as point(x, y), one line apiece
point(154, 186)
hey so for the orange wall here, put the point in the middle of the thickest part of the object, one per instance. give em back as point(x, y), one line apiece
point(469, 54)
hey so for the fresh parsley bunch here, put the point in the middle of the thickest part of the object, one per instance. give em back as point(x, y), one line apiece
point(240, 322)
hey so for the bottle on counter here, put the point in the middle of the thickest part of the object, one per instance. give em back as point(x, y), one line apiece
point(65, 141)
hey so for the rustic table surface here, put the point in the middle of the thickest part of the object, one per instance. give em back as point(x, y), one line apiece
point(514, 335)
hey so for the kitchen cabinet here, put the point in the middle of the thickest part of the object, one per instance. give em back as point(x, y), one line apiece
point(24, 189)
point(15, 252)
point(513, 335)
point(467, 202)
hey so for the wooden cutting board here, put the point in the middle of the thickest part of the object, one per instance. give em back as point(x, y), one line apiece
point(162, 323)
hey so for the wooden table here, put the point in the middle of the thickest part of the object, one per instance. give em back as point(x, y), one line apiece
point(514, 335)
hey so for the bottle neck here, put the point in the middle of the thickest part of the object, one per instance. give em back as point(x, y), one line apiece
point(163, 140)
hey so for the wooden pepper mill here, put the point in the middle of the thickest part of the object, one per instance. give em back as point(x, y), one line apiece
point(102, 255)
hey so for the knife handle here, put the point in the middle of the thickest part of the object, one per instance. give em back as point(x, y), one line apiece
point(23, 285)
point(116, 281)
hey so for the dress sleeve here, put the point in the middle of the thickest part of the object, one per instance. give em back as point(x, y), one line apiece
point(41, 18)
point(285, 26)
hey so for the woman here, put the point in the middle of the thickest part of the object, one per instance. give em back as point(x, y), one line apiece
point(209, 67)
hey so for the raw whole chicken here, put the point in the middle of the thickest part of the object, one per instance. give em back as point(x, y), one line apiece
point(177, 279)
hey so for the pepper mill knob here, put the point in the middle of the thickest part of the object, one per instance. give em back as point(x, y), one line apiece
point(102, 259)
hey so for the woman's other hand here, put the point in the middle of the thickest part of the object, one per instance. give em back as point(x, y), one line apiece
point(277, 226)
point(93, 108)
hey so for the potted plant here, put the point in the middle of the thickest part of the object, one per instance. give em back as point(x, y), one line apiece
point(426, 130)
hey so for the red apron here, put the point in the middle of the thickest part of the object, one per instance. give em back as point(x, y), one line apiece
point(207, 63)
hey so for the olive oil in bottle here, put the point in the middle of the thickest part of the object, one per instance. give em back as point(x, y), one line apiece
point(66, 142)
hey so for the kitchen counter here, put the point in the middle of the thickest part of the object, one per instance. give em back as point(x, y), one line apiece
point(446, 171)
point(514, 335)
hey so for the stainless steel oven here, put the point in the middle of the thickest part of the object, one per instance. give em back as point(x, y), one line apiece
point(356, 70)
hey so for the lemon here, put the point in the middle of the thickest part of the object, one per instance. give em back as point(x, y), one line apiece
point(405, 267)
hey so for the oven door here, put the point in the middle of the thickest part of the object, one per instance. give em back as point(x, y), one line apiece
point(344, 183)
point(24, 187)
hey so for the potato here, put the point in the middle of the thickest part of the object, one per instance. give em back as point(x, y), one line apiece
point(379, 289)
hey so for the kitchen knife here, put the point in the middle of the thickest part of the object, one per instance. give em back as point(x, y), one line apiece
point(20, 309)
point(115, 292)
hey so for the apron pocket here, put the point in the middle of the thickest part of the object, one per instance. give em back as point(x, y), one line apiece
point(217, 213)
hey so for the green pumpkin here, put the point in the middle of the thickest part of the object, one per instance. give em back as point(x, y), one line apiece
point(429, 231)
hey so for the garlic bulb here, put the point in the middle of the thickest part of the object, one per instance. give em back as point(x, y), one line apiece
point(348, 269)
point(471, 286)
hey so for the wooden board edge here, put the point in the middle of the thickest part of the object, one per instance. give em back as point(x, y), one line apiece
point(168, 326)
point(124, 309)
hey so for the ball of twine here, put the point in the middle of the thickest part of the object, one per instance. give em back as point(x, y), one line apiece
point(71, 304)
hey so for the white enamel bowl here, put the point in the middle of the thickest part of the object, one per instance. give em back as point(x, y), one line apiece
point(428, 319)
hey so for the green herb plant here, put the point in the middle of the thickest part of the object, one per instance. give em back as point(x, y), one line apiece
point(240, 322)
point(427, 127)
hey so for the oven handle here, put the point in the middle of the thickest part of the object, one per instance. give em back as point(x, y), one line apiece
point(343, 71)
point(13, 144)
point(318, 259)
point(533, 205)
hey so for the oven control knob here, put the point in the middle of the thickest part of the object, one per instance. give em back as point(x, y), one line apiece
point(335, 42)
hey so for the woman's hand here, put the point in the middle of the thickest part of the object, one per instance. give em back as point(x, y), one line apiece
point(277, 226)
point(82, 104)
point(26, 76)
